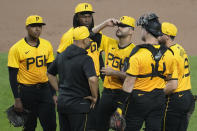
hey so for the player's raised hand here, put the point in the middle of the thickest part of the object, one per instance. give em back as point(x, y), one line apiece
point(111, 22)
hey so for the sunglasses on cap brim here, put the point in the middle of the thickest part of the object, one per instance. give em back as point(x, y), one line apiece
point(123, 25)
point(86, 12)
point(36, 24)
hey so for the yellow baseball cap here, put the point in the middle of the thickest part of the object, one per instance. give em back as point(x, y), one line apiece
point(80, 33)
point(127, 21)
point(84, 7)
point(34, 19)
point(169, 29)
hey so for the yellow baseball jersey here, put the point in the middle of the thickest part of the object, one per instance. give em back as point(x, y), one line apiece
point(181, 57)
point(93, 51)
point(140, 64)
point(31, 61)
point(114, 57)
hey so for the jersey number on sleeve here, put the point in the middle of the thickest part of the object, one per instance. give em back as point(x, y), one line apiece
point(186, 67)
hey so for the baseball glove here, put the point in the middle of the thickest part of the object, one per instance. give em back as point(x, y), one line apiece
point(17, 119)
point(117, 121)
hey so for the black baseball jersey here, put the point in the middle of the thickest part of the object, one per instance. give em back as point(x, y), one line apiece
point(74, 67)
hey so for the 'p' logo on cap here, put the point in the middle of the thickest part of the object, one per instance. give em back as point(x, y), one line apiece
point(37, 18)
point(86, 6)
point(83, 7)
point(34, 19)
point(130, 21)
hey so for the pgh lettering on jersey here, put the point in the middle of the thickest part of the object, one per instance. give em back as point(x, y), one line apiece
point(114, 57)
point(31, 61)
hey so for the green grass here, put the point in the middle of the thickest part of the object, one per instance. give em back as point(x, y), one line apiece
point(7, 98)
point(193, 67)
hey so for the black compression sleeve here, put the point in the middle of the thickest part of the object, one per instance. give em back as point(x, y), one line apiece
point(96, 38)
point(13, 81)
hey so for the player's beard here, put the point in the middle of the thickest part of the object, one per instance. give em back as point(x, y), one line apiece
point(143, 38)
point(162, 41)
point(35, 36)
point(120, 34)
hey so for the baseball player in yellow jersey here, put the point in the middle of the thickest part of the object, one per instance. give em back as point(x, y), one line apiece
point(149, 65)
point(83, 17)
point(27, 65)
point(180, 101)
point(116, 51)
